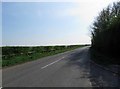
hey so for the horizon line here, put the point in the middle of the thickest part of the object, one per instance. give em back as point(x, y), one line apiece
point(44, 45)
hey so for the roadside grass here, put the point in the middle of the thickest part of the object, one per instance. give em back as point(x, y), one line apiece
point(101, 58)
point(25, 58)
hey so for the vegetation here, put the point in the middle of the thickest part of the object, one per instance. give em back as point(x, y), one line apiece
point(15, 55)
point(0, 57)
point(106, 34)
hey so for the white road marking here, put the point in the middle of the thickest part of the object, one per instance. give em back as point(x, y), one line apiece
point(52, 63)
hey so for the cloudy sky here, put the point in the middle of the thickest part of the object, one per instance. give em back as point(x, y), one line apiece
point(49, 22)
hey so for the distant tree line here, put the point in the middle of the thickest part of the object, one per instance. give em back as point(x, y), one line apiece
point(106, 31)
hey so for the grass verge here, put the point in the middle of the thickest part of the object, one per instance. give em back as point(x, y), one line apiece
point(24, 58)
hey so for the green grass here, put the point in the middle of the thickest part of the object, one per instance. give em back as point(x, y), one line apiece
point(25, 58)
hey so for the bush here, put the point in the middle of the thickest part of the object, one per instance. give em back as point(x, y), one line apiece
point(106, 32)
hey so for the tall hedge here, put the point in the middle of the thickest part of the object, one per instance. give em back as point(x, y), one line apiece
point(106, 31)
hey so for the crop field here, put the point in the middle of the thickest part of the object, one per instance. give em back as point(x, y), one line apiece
point(12, 55)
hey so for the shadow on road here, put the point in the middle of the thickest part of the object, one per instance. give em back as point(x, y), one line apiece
point(97, 76)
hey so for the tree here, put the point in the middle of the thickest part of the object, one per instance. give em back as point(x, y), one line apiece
point(106, 31)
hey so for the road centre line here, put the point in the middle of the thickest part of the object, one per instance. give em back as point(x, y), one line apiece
point(52, 63)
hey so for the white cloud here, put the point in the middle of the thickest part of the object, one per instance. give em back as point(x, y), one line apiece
point(84, 10)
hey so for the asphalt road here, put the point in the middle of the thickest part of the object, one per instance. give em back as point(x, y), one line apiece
point(69, 69)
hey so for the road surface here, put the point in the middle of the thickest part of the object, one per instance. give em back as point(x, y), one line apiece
point(69, 69)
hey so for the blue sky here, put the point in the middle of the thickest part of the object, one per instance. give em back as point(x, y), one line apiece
point(0, 24)
point(48, 23)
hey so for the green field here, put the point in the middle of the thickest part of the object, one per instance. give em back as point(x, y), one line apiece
point(12, 55)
